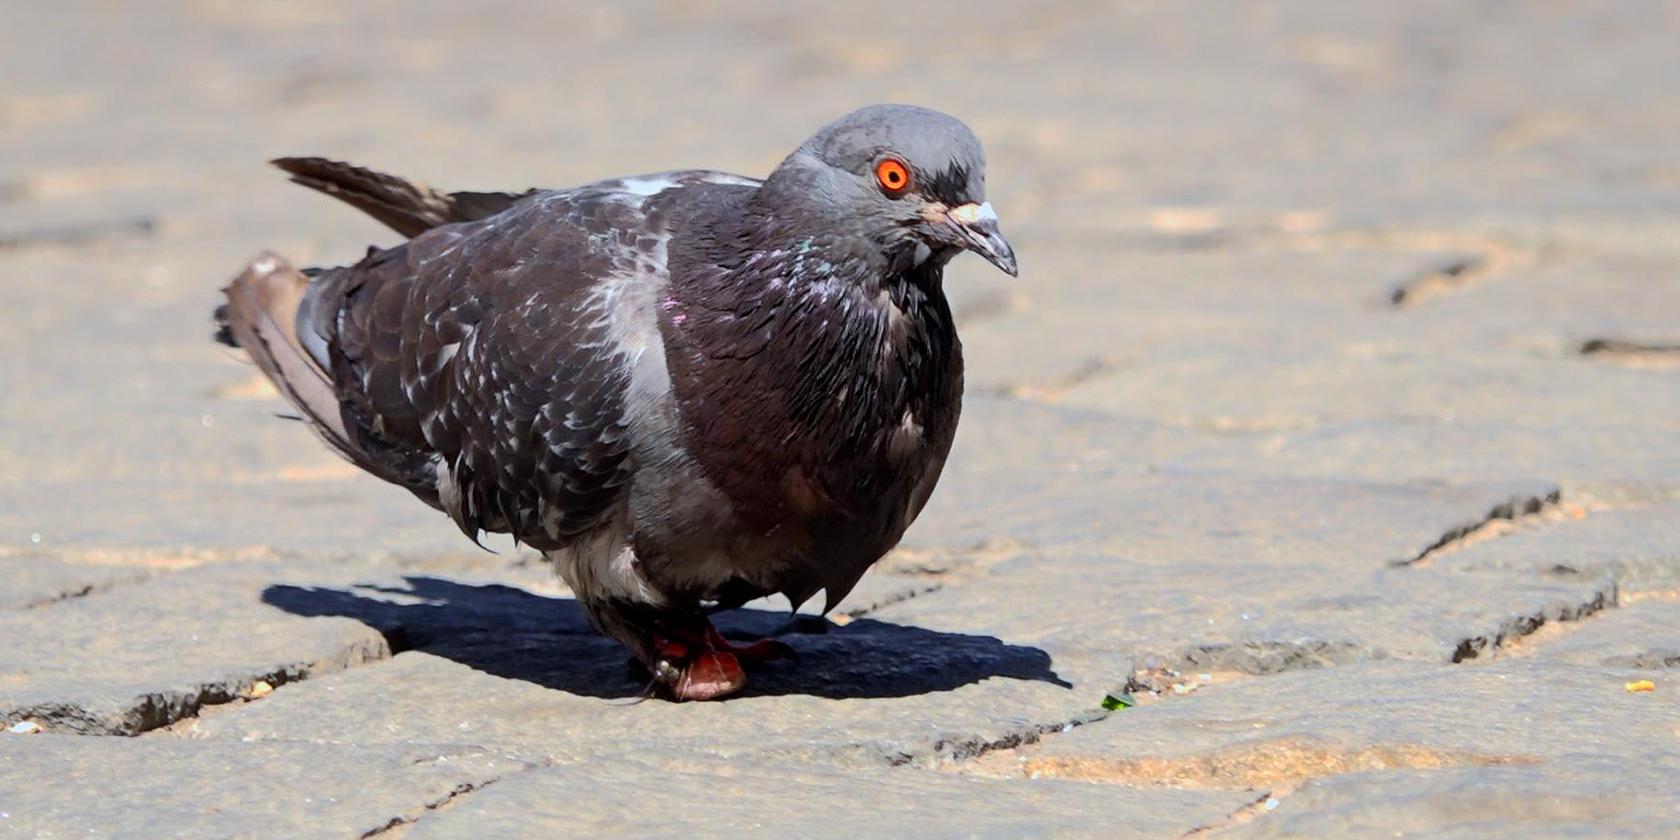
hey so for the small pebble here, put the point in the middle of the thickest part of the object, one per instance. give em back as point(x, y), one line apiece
point(259, 690)
point(1271, 804)
point(1641, 685)
point(24, 727)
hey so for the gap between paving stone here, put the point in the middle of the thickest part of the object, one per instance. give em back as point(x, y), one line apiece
point(137, 691)
point(1664, 356)
point(953, 752)
point(1444, 279)
point(1517, 635)
point(924, 571)
point(1248, 813)
point(1525, 626)
point(399, 825)
point(1501, 520)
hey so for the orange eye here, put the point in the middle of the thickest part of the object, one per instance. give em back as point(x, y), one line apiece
point(892, 176)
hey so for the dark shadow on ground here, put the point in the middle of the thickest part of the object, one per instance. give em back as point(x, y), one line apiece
point(509, 632)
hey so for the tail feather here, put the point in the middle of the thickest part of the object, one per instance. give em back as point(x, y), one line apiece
point(260, 317)
point(405, 207)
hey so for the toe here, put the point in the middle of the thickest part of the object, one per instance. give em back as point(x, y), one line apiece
point(712, 675)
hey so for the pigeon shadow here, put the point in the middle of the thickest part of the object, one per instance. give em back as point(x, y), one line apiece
point(512, 633)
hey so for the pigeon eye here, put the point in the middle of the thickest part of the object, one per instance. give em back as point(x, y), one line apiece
point(893, 176)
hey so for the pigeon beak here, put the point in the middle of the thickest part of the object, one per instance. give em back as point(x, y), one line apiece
point(978, 226)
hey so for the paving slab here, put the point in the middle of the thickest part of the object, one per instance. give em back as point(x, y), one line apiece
point(1229, 568)
point(1293, 727)
point(700, 797)
point(143, 656)
point(862, 696)
point(172, 788)
point(1378, 748)
point(1639, 635)
point(1590, 796)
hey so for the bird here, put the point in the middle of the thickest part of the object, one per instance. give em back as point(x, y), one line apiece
point(688, 389)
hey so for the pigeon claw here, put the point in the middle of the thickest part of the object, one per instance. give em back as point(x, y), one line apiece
point(706, 666)
point(710, 676)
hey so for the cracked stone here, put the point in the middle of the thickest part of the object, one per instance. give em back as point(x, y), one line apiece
point(145, 655)
point(1635, 545)
point(32, 580)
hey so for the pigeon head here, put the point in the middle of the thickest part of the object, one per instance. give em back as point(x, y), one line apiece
point(909, 182)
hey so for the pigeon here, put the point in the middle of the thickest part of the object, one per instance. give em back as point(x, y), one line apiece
point(688, 390)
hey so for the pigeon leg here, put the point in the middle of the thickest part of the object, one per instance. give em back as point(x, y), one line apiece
point(701, 664)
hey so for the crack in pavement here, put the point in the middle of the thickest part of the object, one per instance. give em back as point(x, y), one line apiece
point(399, 825)
point(934, 569)
point(83, 591)
point(1448, 277)
point(1501, 520)
point(950, 751)
point(1248, 813)
point(846, 616)
point(1632, 354)
point(162, 710)
point(1525, 626)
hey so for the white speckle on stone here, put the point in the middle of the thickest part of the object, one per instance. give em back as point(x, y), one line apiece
point(207, 421)
point(35, 537)
point(1271, 804)
point(1207, 678)
point(24, 727)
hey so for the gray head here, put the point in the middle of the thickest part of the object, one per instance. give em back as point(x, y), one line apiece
point(909, 179)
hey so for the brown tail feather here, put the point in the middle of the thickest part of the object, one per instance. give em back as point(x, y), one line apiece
point(407, 208)
point(260, 316)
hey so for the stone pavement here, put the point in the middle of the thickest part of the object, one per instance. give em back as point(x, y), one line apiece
point(1334, 423)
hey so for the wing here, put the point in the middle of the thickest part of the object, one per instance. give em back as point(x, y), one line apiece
point(479, 362)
